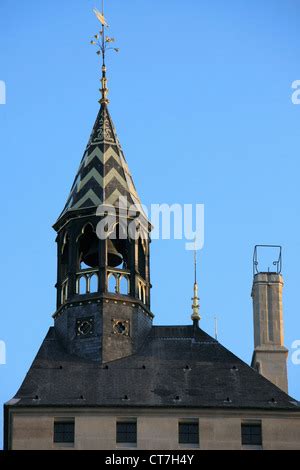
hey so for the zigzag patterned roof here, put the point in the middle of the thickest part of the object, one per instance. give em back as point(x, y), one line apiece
point(103, 175)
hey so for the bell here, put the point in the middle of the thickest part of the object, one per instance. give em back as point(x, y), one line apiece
point(90, 256)
point(114, 258)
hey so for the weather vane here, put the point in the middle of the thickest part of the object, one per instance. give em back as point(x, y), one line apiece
point(104, 44)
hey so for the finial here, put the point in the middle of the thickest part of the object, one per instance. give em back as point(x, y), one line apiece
point(216, 328)
point(195, 306)
point(103, 42)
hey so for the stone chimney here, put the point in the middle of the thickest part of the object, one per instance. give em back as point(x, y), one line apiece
point(270, 355)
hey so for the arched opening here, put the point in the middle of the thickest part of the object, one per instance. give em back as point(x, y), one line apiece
point(93, 283)
point(143, 299)
point(124, 285)
point(142, 292)
point(88, 247)
point(64, 291)
point(112, 283)
point(64, 259)
point(142, 258)
point(257, 367)
point(82, 285)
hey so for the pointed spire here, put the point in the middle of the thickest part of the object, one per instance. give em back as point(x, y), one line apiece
point(195, 306)
point(103, 43)
point(103, 175)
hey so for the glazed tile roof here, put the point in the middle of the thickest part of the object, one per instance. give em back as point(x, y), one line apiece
point(103, 175)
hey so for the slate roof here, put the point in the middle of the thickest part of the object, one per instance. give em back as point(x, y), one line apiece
point(103, 175)
point(175, 368)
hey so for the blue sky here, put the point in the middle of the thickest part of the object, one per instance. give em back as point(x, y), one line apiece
point(201, 98)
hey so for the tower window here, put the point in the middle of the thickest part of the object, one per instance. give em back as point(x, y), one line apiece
point(251, 434)
point(82, 285)
point(112, 283)
point(93, 283)
point(188, 433)
point(121, 327)
point(126, 432)
point(124, 285)
point(85, 327)
point(64, 432)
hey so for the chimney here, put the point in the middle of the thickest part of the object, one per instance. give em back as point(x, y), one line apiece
point(270, 355)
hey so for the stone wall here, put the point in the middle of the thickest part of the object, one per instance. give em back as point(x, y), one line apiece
point(96, 429)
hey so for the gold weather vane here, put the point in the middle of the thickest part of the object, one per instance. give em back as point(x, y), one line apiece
point(195, 306)
point(103, 43)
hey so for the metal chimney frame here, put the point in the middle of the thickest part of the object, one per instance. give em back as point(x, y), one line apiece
point(277, 263)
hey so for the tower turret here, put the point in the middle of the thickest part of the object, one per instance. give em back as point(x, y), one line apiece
point(103, 277)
